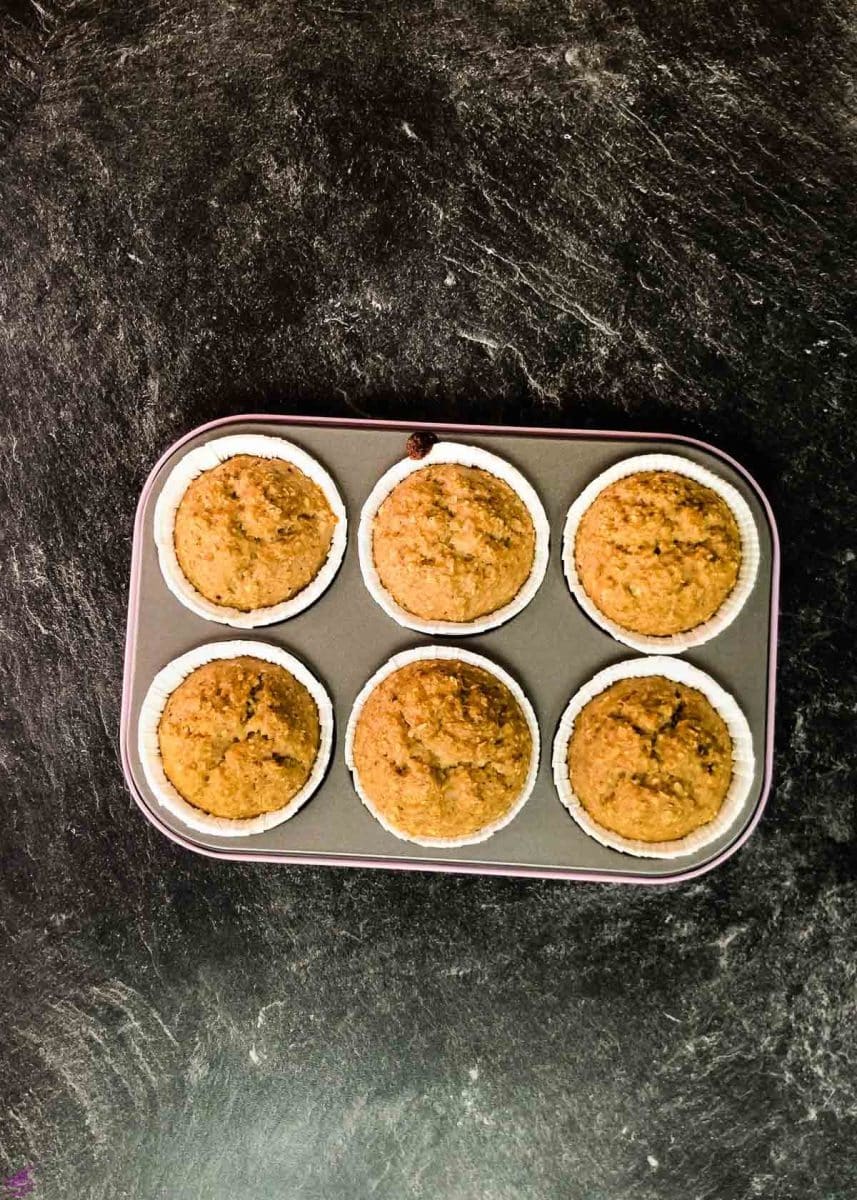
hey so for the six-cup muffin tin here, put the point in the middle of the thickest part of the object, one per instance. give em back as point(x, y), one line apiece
point(550, 647)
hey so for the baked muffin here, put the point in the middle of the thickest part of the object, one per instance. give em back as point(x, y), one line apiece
point(658, 553)
point(239, 737)
point(453, 543)
point(442, 749)
point(252, 532)
point(650, 759)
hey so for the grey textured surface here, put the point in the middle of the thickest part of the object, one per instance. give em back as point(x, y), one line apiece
point(596, 214)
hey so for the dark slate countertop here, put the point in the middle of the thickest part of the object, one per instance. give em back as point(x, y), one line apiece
point(591, 214)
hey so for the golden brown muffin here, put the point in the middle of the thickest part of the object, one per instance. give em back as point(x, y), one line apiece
point(657, 552)
point(650, 759)
point(252, 532)
point(442, 749)
point(239, 737)
point(453, 543)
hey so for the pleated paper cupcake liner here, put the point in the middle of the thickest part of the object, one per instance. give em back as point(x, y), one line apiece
point(205, 458)
point(743, 759)
point(465, 456)
point(444, 654)
point(163, 686)
point(734, 602)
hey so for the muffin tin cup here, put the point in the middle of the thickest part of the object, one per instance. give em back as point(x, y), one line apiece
point(734, 602)
point(743, 759)
point(443, 654)
point(165, 683)
point(465, 456)
point(205, 458)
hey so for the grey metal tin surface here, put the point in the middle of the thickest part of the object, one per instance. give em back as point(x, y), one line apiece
point(551, 648)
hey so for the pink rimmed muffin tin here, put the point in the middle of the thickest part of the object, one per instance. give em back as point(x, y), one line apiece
point(550, 647)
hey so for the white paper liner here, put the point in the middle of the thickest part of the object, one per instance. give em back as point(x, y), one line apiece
point(205, 458)
point(743, 759)
point(452, 654)
point(165, 683)
point(465, 456)
point(734, 602)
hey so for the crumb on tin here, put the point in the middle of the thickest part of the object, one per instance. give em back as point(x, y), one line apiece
point(419, 444)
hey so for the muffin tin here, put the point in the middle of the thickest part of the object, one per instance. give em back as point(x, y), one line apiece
point(551, 648)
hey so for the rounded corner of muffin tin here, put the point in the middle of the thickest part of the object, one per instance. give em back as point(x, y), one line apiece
point(617, 871)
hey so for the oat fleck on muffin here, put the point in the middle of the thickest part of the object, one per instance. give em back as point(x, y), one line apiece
point(252, 532)
point(238, 737)
point(658, 553)
point(650, 759)
point(442, 749)
point(453, 543)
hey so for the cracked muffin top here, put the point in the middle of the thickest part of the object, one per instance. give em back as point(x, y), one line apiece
point(657, 552)
point(252, 532)
point(453, 543)
point(650, 759)
point(442, 749)
point(239, 737)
